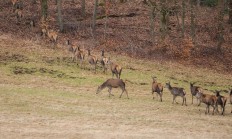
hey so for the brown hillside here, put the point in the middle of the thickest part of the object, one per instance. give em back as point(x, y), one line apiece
point(128, 32)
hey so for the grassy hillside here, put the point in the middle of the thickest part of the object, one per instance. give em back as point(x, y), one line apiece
point(44, 94)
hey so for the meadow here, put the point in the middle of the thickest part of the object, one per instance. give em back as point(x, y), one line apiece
point(43, 94)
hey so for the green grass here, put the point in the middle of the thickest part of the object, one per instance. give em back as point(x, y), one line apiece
point(42, 82)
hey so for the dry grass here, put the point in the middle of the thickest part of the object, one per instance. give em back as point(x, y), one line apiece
point(44, 95)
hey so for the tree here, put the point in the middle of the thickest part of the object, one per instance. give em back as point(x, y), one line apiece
point(44, 9)
point(60, 18)
point(192, 21)
point(83, 7)
point(183, 18)
point(152, 6)
point(221, 8)
point(94, 17)
point(230, 11)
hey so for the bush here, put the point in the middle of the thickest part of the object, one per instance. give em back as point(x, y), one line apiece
point(209, 3)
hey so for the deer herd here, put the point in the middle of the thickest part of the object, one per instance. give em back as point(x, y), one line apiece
point(214, 100)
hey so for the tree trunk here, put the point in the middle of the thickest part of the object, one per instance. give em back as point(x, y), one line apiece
point(192, 21)
point(83, 7)
point(44, 9)
point(94, 17)
point(183, 18)
point(60, 18)
point(230, 11)
point(221, 8)
point(152, 17)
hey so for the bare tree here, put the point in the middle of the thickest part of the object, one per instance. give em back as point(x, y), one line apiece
point(94, 17)
point(83, 7)
point(60, 18)
point(230, 11)
point(44, 9)
point(192, 20)
point(221, 8)
point(183, 18)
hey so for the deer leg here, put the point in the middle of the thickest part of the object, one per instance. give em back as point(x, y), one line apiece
point(174, 99)
point(192, 98)
point(126, 93)
point(110, 92)
point(121, 93)
point(161, 96)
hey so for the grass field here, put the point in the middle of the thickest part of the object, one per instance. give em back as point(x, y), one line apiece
point(45, 95)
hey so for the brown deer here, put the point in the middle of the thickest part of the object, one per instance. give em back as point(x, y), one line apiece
point(92, 60)
point(115, 69)
point(80, 54)
point(52, 35)
point(19, 14)
point(209, 100)
point(221, 100)
point(158, 88)
point(176, 91)
point(194, 90)
point(113, 83)
point(71, 48)
point(104, 61)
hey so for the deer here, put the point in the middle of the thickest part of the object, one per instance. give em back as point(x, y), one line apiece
point(116, 69)
point(19, 14)
point(157, 87)
point(92, 60)
point(52, 35)
point(177, 91)
point(72, 49)
point(209, 100)
point(80, 54)
point(113, 83)
point(104, 61)
point(14, 2)
point(194, 90)
point(221, 100)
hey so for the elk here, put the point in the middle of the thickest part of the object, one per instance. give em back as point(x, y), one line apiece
point(104, 61)
point(194, 90)
point(115, 69)
point(221, 100)
point(209, 100)
point(158, 88)
point(92, 60)
point(231, 98)
point(113, 83)
point(176, 91)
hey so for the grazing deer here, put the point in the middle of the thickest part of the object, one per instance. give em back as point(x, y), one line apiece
point(231, 98)
point(177, 91)
point(113, 83)
point(194, 90)
point(104, 61)
point(92, 60)
point(209, 100)
point(221, 100)
point(158, 88)
point(115, 69)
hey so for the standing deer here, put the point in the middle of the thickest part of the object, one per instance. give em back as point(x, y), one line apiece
point(104, 61)
point(221, 100)
point(92, 60)
point(209, 100)
point(194, 90)
point(115, 69)
point(158, 88)
point(176, 91)
point(72, 49)
point(113, 83)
